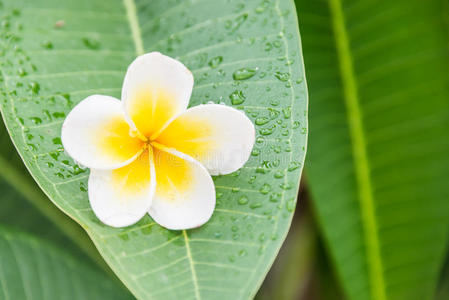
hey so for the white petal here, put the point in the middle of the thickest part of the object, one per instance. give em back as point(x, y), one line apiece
point(121, 197)
point(185, 192)
point(96, 134)
point(218, 136)
point(155, 90)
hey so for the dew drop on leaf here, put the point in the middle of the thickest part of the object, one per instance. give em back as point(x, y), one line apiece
point(36, 120)
point(290, 205)
point(242, 200)
point(215, 62)
point(237, 97)
point(265, 189)
point(244, 73)
point(47, 45)
point(268, 130)
point(255, 205)
point(262, 121)
point(282, 76)
point(293, 165)
point(91, 43)
point(279, 174)
point(21, 72)
point(34, 87)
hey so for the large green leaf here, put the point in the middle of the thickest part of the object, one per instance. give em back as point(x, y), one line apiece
point(19, 213)
point(379, 144)
point(31, 269)
point(24, 206)
point(56, 52)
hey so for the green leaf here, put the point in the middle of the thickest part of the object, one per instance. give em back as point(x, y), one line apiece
point(19, 213)
point(31, 269)
point(58, 52)
point(379, 145)
point(25, 207)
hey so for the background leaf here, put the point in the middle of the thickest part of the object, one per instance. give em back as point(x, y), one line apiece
point(55, 53)
point(31, 269)
point(378, 163)
point(25, 207)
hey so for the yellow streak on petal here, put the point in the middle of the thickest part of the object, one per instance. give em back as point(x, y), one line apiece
point(173, 175)
point(196, 137)
point(151, 108)
point(114, 141)
point(133, 179)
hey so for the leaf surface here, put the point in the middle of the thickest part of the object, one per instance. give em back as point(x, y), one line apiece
point(379, 142)
point(58, 52)
point(25, 206)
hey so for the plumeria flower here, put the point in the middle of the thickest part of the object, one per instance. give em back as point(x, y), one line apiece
point(150, 154)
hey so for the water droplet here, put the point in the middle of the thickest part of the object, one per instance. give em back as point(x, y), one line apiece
point(217, 235)
point(298, 81)
point(21, 72)
point(268, 130)
point(293, 165)
point(255, 205)
point(285, 186)
point(57, 141)
point(243, 252)
point(215, 62)
point(47, 45)
point(36, 120)
point(237, 97)
point(268, 46)
point(34, 87)
point(255, 152)
point(282, 76)
point(287, 112)
point(242, 200)
point(58, 114)
point(279, 174)
point(262, 237)
point(124, 237)
point(277, 44)
point(262, 120)
point(244, 73)
point(83, 187)
point(274, 102)
point(262, 170)
point(91, 43)
point(290, 205)
point(275, 197)
point(231, 258)
point(262, 7)
point(296, 124)
point(265, 189)
point(5, 24)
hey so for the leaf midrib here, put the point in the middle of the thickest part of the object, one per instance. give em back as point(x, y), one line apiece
point(362, 168)
point(131, 14)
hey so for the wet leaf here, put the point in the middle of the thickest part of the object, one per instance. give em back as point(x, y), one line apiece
point(92, 43)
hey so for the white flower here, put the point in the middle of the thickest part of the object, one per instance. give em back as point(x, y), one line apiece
point(150, 154)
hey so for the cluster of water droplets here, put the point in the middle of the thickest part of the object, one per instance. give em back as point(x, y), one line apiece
point(35, 103)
